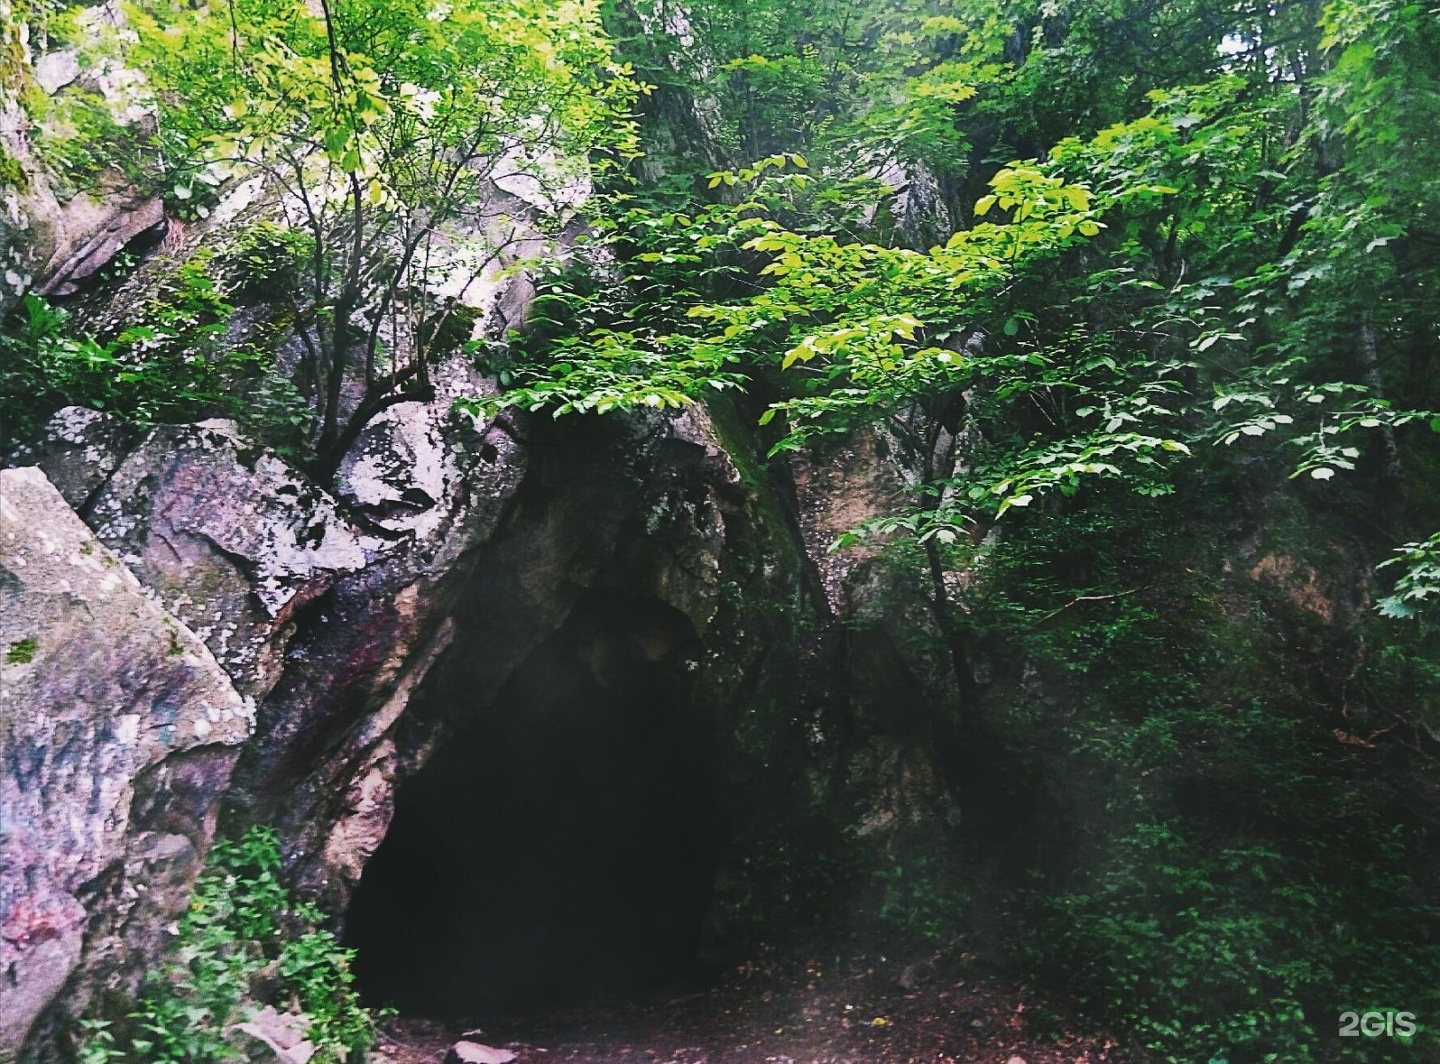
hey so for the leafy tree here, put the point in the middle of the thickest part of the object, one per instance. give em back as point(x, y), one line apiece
point(386, 129)
point(1208, 280)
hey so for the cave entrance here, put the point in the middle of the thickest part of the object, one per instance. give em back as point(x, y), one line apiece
point(559, 849)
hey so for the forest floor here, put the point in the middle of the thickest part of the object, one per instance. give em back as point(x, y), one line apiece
point(866, 1009)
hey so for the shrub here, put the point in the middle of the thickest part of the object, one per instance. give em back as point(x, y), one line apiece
point(173, 363)
point(240, 925)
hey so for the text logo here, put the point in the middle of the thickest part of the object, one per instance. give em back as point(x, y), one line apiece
point(1375, 1024)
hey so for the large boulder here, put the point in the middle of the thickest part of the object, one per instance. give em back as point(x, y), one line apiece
point(272, 1037)
point(325, 611)
point(119, 730)
point(233, 541)
point(467, 1052)
point(78, 450)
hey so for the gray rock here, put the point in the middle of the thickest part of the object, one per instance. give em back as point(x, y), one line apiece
point(424, 472)
point(102, 230)
point(104, 697)
point(78, 451)
point(55, 70)
point(232, 540)
point(477, 1053)
point(29, 211)
point(271, 1037)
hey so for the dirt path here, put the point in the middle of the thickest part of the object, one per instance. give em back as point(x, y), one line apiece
point(868, 1009)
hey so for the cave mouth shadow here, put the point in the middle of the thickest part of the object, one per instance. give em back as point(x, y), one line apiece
point(562, 848)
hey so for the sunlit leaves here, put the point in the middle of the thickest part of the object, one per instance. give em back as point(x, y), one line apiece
point(1417, 589)
point(613, 370)
point(1322, 421)
point(382, 128)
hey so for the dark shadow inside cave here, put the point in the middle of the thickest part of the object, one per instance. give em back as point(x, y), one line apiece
point(559, 849)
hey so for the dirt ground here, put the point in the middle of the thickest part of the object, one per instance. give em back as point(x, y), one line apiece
point(867, 1008)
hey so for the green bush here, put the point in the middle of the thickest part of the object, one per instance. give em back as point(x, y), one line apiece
point(921, 892)
point(1237, 953)
point(241, 925)
point(172, 364)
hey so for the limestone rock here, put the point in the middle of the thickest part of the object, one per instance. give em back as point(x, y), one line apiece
point(422, 471)
point(55, 70)
point(94, 232)
point(271, 1037)
point(232, 540)
point(78, 451)
point(839, 485)
point(478, 1053)
point(104, 698)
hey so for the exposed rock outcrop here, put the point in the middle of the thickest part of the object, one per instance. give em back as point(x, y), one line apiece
point(229, 537)
point(371, 625)
point(55, 241)
point(119, 731)
point(271, 1037)
point(478, 1053)
point(79, 451)
point(92, 232)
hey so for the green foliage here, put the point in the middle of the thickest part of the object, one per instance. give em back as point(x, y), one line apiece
point(240, 923)
point(1418, 583)
point(81, 141)
point(1211, 284)
point(12, 173)
point(1235, 952)
point(858, 86)
point(385, 127)
point(1104, 276)
point(782, 875)
point(21, 652)
point(264, 262)
point(1230, 877)
point(172, 363)
point(923, 894)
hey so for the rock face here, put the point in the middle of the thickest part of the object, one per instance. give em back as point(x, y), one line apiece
point(80, 450)
point(371, 623)
point(51, 241)
point(271, 1037)
point(232, 540)
point(92, 232)
point(119, 730)
point(369, 626)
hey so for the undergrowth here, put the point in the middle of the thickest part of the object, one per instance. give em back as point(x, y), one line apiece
point(173, 363)
point(1228, 872)
point(242, 931)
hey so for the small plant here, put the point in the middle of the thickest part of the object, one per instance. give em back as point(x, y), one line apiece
point(921, 897)
point(12, 172)
point(240, 926)
point(21, 652)
point(1418, 586)
point(80, 141)
point(172, 363)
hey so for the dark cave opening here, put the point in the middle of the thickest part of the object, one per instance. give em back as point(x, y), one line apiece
point(559, 849)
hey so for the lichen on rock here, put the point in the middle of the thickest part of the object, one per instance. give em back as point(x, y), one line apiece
point(120, 730)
